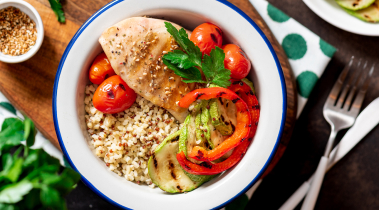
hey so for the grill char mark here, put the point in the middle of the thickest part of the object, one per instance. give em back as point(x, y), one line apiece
point(220, 94)
point(235, 100)
point(214, 39)
point(110, 94)
point(221, 102)
point(199, 95)
point(155, 162)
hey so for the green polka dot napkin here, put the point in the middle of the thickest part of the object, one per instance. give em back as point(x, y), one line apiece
point(308, 55)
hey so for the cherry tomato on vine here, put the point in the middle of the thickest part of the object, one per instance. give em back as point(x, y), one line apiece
point(207, 36)
point(101, 69)
point(113, 96)
point(236, 61)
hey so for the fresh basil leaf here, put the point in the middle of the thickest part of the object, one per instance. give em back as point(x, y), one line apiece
point(193, 51)
point(8, 107)
point(8, 207)
point(70, 173)
point(11, 136)
point(65, 185)
point(45, 168)
point(180, 58)
point(38, 158)
point(181, 37)
point(192, 81)
point(31, 200)
point(29, 132)
point(9, 121)
point(192, 73)
point(212, 66)
point(13, 166)
point(46, 159)
point(15, 170)
point(13, 193)
point(6, 161)
point(222, 80)
point(67, 182)
point(57, 8)
point(50, 198)
point(41, 186)
point(10, 130)
point(48, 178)
point(31, 159)
point(214, 70)
point(175, 33)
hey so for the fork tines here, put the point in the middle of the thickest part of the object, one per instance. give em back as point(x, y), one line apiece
point(349, 80)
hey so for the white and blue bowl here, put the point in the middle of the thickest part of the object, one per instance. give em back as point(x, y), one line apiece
point(72, 77)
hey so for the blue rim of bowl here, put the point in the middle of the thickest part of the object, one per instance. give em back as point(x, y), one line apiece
point(113, 3)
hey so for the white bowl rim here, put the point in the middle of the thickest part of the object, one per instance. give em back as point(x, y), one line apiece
point(110, 5)
point(40, 34)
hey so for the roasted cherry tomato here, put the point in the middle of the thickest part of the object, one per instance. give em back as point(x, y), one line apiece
point(101, 69)
point(113, 95)
point(236, 61)
point(207, 36)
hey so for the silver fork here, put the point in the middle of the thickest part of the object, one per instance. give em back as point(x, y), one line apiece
point(340, 111)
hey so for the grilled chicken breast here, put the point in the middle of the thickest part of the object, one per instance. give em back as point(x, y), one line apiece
point(134, 47)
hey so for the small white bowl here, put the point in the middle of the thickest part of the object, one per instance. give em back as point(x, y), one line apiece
point(72, 77)
point(33, 14)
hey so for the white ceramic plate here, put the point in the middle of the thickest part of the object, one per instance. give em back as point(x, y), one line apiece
point(332, 13)
point(72, 76)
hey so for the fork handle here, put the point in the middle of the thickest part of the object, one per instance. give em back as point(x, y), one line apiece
point(311, 198)
point(295, 198)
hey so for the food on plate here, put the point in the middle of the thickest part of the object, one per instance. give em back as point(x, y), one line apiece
point(224, 118)
point(249, 83)
point(236, 61)
point(135, 47)
point(101, 69)
point(243, 122)
point(354, 4)
point(207, 36)
point(171, 177)
point(214, 168)
point(161, 71)
point(113, 96)
point(369, 14)
point(125, 141)
point(368, 10)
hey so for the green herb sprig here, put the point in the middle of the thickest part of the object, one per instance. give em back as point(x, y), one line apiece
point(56, 6)
point(185, 63)
point(30, 178)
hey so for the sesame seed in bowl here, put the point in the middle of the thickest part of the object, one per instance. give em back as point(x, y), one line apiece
point(21, 31)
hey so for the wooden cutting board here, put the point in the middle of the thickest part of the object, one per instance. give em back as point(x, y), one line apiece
point(29, 85)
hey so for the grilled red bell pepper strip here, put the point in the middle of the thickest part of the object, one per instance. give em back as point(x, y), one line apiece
point(207, 168)
point(241, 132)
point(245, 92)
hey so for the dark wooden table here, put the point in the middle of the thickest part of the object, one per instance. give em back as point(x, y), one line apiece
point(353, 183)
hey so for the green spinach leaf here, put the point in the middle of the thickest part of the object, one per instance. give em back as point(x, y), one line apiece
point(8, 107)
point(13, 193)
